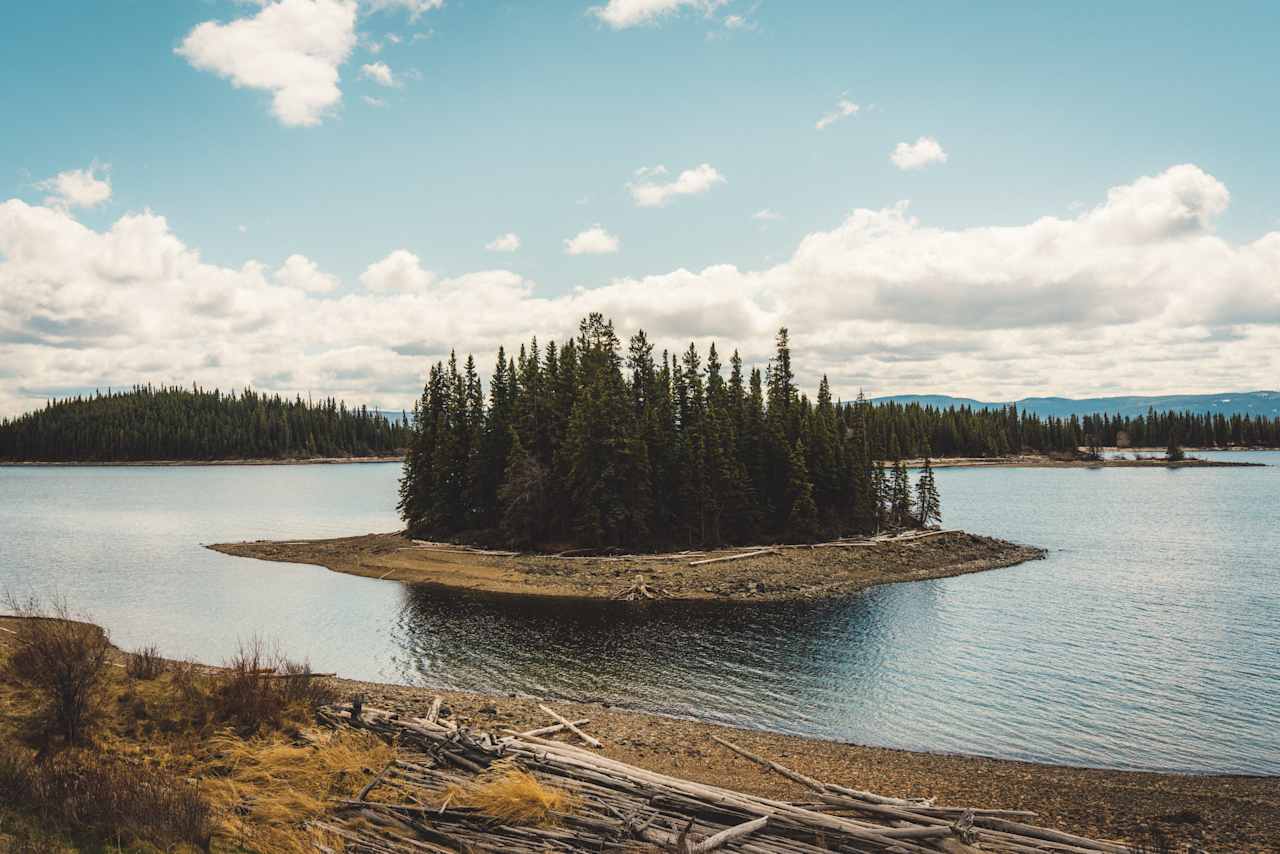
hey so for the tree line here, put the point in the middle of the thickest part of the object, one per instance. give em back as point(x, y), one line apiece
point(169, 423)
point(585, 444)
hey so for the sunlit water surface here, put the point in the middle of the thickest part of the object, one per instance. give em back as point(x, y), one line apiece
point(1149, 638)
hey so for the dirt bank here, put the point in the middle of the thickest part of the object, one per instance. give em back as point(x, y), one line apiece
point(788, 573)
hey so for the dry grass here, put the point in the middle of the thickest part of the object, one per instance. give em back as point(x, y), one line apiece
point(268, 788)
point(511, 795)
point(103, 797)
point(245, 734)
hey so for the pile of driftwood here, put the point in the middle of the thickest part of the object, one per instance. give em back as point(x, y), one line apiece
point(616, 807)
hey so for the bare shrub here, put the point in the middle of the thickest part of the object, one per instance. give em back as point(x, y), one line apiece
point(145, 663)
point(92, 794)
point(64, 661)
point(303, 688)
point(261, 689)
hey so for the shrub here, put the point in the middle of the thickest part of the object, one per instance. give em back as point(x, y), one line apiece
point(261, 689)
point(94, 795)
point(64, 661)
point(145, 663)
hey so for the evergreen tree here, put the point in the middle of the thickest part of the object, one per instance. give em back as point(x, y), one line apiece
point(900, 503)
point(928, 504)
point(802, 511)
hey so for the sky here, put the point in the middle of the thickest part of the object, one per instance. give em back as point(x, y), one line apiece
point(323, 196)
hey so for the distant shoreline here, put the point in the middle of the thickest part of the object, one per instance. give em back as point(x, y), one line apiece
point(305, 461)
point(1019, 461)
point(1043, 461)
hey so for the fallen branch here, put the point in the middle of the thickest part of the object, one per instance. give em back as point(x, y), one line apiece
point(727, 558)
point(572, 727)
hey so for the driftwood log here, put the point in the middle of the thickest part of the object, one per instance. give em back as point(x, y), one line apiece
point(617, 807)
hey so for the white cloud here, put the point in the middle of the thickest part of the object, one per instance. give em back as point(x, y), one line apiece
point(378, 72)
point(844, 108)
point(620, 14)
point(399, 271)
point(766, 215)
point(690, 182)
point(919, 154)
point(372, 101)
point(508, 242)
point(77, 188)
point(592, 241)
point(1137, 291)
point(299, 271)
point(290, 48)
point(413, 7)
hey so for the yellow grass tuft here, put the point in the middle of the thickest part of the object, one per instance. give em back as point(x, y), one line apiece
point(511, 795)
point(267, 789)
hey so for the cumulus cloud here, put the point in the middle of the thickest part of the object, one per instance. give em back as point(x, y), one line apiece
point(691, 182)
point(766, 215)
point(378, 72)
point(917, 155)
point(77, 188)
point(372, 101)
point(844, 108)
point(399, 271)
point(1137, 292)
point(592, 241)
point(508, 242)
point(621, 14)
point(290, 48)
point(299, 271)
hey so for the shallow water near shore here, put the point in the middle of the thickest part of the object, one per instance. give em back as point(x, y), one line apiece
point(1148, 639)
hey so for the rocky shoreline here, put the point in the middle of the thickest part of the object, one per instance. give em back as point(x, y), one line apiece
point(744, 574)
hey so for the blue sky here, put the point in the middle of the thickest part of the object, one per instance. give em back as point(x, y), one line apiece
point(533, 119)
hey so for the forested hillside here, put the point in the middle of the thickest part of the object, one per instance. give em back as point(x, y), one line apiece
point(147, 423)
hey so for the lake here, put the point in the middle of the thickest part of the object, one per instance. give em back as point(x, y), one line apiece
point(1149, 638)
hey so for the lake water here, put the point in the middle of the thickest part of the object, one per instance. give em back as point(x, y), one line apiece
point(1150, 637)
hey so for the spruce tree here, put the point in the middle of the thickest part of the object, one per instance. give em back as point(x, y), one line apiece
point(928, 504)
point(900, 504)
point(802, 513)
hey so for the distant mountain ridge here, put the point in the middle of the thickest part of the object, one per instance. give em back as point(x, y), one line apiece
point(1258, 403)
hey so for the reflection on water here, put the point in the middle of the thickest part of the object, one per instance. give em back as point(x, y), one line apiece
point(1148, 638)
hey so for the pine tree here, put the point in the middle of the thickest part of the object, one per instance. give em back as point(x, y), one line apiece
point(900, 504)
point(802, 513)
point(928, 504)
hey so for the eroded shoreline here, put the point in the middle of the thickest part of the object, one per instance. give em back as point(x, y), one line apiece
point(788, 573)
point(1210, 811)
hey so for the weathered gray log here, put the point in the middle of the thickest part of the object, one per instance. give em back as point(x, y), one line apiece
point(726, 558)
point(796, 776)
point(548, 730)
point(727, 835)
point(572, 727)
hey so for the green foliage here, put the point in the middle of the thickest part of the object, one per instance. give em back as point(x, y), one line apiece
point(928, 504)
point(148, 423)
point(591, 444)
